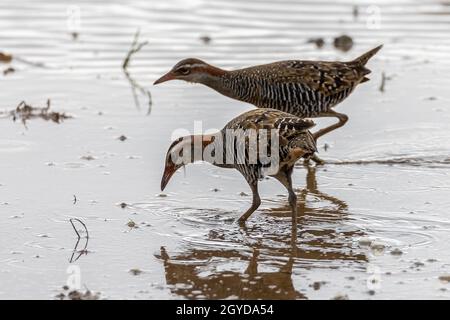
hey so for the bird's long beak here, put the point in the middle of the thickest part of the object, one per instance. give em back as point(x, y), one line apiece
point(168, 76)
point(169, 170)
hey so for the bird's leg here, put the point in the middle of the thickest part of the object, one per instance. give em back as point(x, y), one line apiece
point(285, 177)
point(316, 159)
point(255, 204)
point(293, 203)
point(342, 120)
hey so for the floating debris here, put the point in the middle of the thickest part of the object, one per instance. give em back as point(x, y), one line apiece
point(77, 295)
point(122, 138)
point(5, 57)
point(319, 42)
point(396, 252)
point(243, 194)
point(445, 278)
point(135, 272)
point(317, 285)
point(8, 71)
point(343, 43)
point(25, 112)
point(340, 297)
point(205, 39)
point(131, 224)
point(355, 12)
point(377, 248)
point(123, 205)
point(43, 235)
point(88, 157)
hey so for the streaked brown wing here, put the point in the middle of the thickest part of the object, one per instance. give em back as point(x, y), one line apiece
point(326, 77)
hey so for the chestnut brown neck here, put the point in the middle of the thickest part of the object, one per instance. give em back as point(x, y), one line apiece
point(214, 78)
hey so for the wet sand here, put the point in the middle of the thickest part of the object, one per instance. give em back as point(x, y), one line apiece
point(373, 223)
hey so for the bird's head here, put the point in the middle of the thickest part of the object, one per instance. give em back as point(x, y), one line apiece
point(183, 151)
point(175, 158)
point(190, 70)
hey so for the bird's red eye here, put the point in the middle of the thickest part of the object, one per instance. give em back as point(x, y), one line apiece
point(183, 70)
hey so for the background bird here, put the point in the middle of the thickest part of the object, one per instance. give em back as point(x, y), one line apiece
point(302, 88)
point(291, 142)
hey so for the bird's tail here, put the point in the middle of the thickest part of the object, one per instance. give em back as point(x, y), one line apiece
point(362, 60)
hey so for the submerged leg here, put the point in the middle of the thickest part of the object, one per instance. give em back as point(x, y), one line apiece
point(317, 160)
point(285, 177)
point(314, 158)
point(255, 204)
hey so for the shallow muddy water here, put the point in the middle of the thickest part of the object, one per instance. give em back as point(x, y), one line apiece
point(374, 223)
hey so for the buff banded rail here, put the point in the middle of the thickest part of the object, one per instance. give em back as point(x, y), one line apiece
point(294, 141)
point(306, 89)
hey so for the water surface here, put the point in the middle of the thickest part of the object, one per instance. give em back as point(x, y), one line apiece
point(373, 223)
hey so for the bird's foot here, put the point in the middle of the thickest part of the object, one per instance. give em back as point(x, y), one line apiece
point(314, 158)
point(317, 160)
point(241, 223)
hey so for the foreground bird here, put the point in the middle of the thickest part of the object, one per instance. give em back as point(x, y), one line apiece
point(303, 88)
point(292, 141)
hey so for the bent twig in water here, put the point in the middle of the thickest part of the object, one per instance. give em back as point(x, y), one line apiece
point(83, 251)
point(136, 47)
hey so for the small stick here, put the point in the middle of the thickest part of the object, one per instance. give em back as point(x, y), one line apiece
point(30, 63)
point(135, 47)
point(76, 231)
point(78, 240)
point(384, 78)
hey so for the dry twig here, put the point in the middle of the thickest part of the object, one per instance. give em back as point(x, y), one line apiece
point(25, 112)
point(83, 251)
point(135, 86)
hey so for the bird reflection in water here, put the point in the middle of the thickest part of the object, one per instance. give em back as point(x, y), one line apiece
point(261, 262)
